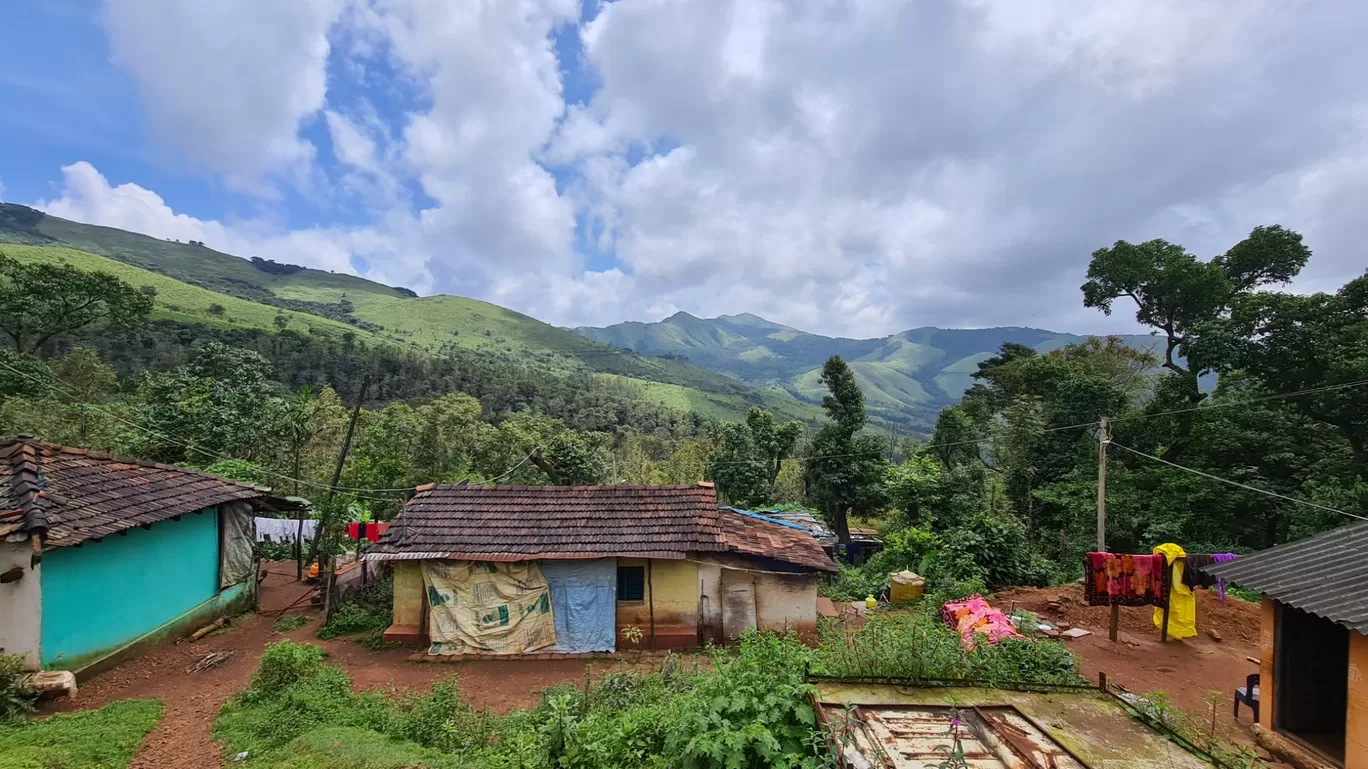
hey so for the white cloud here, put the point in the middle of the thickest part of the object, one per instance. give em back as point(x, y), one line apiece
point(848, 167)
point(228, 85)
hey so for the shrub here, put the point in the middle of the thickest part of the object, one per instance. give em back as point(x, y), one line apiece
point(369, 610)
point(16, 696)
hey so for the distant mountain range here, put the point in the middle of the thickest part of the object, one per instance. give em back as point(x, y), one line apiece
point(907, 377)
point(718, 368)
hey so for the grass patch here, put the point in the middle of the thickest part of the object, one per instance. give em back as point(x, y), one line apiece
point(94, 739)
point(917, 645)
point(291, 622)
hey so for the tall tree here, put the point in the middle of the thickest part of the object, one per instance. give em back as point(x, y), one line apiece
point(39, 302)
point(1293, 343)
point(844, 470)
point(750, 455)
point(1175, 293)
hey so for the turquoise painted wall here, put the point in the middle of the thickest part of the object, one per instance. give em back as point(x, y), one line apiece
point(102, 595)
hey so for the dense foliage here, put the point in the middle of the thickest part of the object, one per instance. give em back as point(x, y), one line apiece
point(742, 710)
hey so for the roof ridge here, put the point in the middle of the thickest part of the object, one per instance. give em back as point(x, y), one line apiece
point(18, 442)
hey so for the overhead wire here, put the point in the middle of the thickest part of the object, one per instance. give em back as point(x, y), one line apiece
point(1245, 486)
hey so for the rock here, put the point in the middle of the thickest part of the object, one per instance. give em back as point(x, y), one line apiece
point(1214, 635)
point(1076, 632)
point(1063, 625)
point(1051, 633)
point(51, 683)
point(1054, 606)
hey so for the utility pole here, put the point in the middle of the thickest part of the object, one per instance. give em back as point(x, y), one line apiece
point(326, 576)
point(1104, 438)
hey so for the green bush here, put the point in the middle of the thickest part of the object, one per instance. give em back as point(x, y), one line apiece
point(16, 698)
point(369, 609)
point(992, 547)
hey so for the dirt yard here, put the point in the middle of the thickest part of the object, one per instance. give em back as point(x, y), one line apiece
point(183, 738)
point(1189, 670)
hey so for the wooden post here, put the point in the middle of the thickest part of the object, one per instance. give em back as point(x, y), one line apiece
point(1102, 680)
point(337, 473)
point(1168, 600)
point(1103, 438)
point(650, 601)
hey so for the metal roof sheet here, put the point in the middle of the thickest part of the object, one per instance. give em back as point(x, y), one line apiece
point(1326, 575)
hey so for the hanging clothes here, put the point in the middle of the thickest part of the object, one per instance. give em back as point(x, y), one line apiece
point(1114, 579)
point(1195, 575)
point(1182, 604)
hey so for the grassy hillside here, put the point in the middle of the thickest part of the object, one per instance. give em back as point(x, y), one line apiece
point(183, 302)
point(907, 377)
point(192, 279)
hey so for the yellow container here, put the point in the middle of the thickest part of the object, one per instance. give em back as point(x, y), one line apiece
point(905, 586)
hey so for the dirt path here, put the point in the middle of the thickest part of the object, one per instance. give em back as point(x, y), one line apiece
point(184, 738)
point(1189, 670)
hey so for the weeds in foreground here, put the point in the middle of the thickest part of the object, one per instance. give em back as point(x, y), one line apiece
point(1200, 731)
point(750, 708)
point(93, 739)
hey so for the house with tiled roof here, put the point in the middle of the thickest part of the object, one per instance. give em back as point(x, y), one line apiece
point(102, 554)
point(578, 569)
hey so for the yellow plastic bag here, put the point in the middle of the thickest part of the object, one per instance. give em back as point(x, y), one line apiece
point(1182, 604)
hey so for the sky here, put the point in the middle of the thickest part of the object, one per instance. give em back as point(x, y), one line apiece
point(848, 167)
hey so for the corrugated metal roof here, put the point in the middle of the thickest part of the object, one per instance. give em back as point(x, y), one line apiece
point(1326, 575)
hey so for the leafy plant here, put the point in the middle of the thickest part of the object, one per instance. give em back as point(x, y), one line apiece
point(16, 696)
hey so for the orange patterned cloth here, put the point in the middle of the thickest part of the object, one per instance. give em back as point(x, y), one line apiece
point(1113, 579)
point(973, 617)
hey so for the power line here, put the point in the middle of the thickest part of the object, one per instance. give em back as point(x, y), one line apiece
point(1245, 402)
point(513, 468)
point(1245, 486)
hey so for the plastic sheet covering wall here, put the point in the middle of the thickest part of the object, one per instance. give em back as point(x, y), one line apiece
point(237, 533)
point(481, 607)
point(584, 604)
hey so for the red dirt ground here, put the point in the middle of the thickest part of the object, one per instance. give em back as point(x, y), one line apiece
point(183, 738)
point(1188, 669)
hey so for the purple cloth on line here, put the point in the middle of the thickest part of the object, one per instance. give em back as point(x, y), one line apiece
point(1220, 583)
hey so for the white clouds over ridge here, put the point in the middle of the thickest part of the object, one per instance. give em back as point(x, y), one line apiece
point(849, 167)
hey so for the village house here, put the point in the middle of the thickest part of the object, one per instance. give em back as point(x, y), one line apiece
point(478, 569)
point(1313, 656)
point(100, 555)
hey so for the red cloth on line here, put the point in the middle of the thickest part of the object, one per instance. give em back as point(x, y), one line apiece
point(1114, 579)
point(370, 531)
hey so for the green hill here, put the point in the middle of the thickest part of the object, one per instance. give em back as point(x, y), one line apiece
point(198, 284)
point(907, 377)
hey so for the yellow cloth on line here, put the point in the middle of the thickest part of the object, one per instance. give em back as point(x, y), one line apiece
point(1182, 603)
point(489, 608)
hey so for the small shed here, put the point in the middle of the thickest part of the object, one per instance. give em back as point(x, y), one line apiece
point(642, 566)
point(100, 554)
point(1313, 649)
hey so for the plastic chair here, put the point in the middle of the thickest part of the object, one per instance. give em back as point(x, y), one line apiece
point(1249, 695)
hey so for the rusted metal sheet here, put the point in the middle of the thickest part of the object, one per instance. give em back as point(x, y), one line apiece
point(913, 737)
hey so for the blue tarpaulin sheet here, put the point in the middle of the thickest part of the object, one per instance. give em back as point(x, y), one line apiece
point(583, 604)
